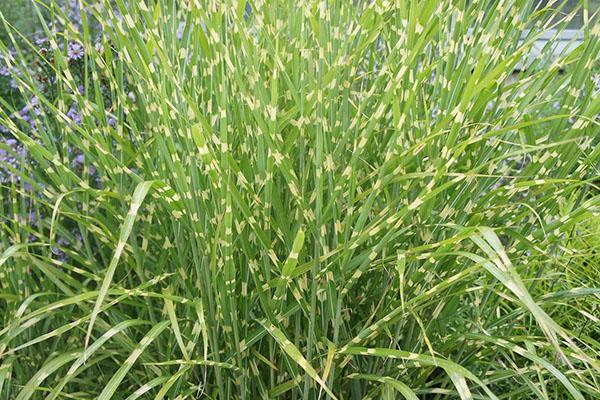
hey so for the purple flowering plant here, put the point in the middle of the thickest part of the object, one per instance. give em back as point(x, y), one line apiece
point(30, 92)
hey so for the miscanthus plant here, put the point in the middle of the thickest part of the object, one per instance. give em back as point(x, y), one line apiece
point(300, 200)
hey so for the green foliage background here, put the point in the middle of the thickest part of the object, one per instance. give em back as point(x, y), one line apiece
point(310, 200)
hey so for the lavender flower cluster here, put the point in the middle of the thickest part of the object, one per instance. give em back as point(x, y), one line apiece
point(29, 118)
point(10, 154)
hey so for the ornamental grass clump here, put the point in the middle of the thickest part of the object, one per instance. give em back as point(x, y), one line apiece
point(300, 200)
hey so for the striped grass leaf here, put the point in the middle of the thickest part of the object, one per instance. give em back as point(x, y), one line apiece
point(394, 383)
point(456, 373)
point(175, 326)
point(538, 360)
point(194, 362)
point(88, 352)
point(501, 267)
point(50, 367)
point(138, 197)
point(323, 166)
point(295, 354)
point(159, 380)
point(116, 379)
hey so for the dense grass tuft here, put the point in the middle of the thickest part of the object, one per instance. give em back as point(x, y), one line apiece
point(344, 199)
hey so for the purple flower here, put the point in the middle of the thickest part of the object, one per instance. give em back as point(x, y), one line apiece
point(79, 160)
point(32, 108)
point(596, 80)
point(131, 96)
point(41, 41)
point(8, 158)
point(180, 29)
point(30, 219)
point(5, 69)
point(71, 8)
point(34, 105)
point(74, 51)
point(74, 115)
point(62, 242)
